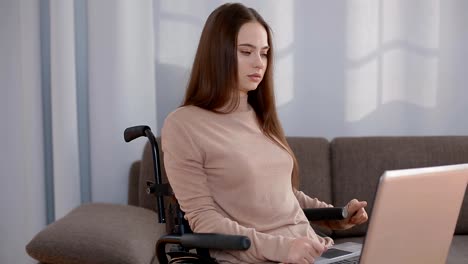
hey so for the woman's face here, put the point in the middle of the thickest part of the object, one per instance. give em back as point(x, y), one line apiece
point(252, 50)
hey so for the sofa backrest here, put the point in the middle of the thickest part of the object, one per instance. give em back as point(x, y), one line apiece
point(357, 164)
point(346, 168)
point(313, 156)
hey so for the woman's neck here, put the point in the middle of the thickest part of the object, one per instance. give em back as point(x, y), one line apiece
point(243, 105)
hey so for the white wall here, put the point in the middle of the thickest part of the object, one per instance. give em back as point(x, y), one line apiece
point(22, 200)
point(343, 68)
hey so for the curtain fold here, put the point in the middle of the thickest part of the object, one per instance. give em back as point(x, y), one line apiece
point(66, 169)
point(91, 91)
point(22, 198)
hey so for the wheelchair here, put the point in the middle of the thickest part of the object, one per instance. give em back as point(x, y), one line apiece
point(184, 245)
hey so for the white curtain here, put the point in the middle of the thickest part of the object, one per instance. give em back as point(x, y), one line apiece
point(66, 170)
point(75, 73)
point(87, 157)
point(22, 199)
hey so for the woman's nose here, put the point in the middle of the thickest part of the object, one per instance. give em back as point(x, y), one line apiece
point(258, 61)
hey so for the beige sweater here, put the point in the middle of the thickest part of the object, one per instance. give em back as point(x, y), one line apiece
point(230, 178)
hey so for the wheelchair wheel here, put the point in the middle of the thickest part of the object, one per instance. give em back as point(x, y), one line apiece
point(181, 257)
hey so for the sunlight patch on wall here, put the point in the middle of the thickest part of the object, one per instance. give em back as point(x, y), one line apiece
point(391, 56)
point(362, 28)
point(362, 44)
point(410, 78)
point(416, 22)
point(410, 59)
point(361, 93)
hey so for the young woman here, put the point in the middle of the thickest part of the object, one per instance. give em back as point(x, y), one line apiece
point(225, 153)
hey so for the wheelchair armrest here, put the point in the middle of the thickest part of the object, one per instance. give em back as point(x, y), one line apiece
point(202, 240)
point(215, 241)
point(326, 213)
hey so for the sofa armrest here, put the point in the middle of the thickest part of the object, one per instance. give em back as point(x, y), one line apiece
point(99, 233)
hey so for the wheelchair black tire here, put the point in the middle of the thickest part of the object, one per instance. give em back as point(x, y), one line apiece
point(189, 258)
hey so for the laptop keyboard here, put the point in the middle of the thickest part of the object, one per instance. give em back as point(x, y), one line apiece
point(353, 260)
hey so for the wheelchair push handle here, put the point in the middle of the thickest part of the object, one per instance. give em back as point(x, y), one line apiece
point(135, 132)
point(156, 188)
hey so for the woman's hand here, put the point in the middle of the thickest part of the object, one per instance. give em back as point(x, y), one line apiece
point(305, 250)
point(356, 215)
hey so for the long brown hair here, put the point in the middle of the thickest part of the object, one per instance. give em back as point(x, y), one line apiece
point(214, 83)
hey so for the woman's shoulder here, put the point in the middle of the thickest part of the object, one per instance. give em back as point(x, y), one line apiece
point(186, 113)
point(185, 118)
point(189, 115)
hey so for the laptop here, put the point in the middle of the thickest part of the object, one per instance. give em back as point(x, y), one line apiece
point(413, 219)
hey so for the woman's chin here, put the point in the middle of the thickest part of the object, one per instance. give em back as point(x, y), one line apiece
point(248, 89)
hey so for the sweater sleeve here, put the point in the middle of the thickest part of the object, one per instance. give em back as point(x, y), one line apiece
point(183, 160)
point(307, 202)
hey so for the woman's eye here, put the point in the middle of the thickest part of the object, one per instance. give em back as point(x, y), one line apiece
point(245, 52)
point(264, 55)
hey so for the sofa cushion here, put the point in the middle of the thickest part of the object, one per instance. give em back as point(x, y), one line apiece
point(99, 233)
point(357, 164)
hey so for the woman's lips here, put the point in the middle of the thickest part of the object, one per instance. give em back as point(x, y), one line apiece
point(255, 77)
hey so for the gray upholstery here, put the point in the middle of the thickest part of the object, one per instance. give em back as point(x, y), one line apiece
point(99, 233)
point(313, 156)
point(133, 184)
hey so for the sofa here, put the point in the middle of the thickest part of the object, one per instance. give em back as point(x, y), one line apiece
point(334, 171)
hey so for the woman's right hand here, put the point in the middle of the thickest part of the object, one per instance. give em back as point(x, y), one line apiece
point(305, 250)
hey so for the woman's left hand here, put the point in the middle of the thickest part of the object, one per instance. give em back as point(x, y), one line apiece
point(356, 215)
